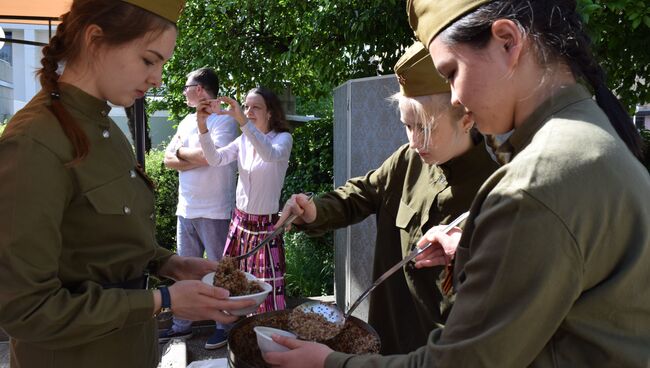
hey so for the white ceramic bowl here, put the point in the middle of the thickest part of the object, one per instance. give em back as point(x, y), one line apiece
point(266, 343)
point(258, 297)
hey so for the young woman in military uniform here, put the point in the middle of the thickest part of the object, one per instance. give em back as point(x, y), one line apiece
point(430, 180)
point(552, 266)
point(77, 213)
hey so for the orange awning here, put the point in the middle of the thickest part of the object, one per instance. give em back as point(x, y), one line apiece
point(32, 11)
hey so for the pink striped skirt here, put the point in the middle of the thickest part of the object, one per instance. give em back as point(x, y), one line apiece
point(268, 264)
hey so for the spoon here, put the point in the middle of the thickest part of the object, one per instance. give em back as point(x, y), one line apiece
point(275, 233)
point(334, 317)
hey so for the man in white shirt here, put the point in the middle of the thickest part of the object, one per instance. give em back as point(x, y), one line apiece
point(206, 193)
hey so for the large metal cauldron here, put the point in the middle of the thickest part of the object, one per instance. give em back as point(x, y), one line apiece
point(242, 343)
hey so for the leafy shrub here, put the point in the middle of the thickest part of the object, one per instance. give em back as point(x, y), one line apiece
point(310, 265)
point(166, 181)
point(310, 261)
point(3, 124)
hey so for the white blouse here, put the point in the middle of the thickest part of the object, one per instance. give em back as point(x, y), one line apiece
point(262, 160)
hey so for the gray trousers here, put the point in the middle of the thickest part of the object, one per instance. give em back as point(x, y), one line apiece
point(197, 236)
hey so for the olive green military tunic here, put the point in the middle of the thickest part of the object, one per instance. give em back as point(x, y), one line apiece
point(552, 269)
point(408, 197)
point(68, 231)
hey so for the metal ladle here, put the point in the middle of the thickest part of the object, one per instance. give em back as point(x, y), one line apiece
point(335, 316)
point(280, 229)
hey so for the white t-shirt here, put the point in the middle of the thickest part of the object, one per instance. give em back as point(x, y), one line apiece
point(207, 191)
point(262, 160)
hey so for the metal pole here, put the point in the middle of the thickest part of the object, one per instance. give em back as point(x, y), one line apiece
point(139, 131)
point(22, 42)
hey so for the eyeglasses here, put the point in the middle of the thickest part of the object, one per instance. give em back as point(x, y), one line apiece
point(188, 86)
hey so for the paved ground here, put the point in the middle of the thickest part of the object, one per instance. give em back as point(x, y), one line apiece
point(195, 344)
point(4, 350)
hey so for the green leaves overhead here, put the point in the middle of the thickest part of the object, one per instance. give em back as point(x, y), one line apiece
point(315, 45)
point(311, 46)
point(619, 30)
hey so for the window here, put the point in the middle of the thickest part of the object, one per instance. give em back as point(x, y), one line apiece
point(5, 51)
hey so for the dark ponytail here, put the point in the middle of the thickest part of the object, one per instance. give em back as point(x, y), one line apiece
point(557, 31)
point(49, 78)
point(582, 62)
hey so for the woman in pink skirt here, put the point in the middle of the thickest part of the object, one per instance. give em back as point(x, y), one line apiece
point(262, 153)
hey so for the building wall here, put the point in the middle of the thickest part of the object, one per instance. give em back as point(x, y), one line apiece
point(642, 116)
point(367, 130)
point(160, 129)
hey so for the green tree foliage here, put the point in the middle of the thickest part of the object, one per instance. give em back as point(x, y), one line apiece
point(166, 182)
point(310, 261)
point(310, 265)
point(620, 29)
point(309, 45)
point(315, 45)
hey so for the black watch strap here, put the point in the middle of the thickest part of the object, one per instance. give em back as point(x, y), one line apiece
point(166, 300)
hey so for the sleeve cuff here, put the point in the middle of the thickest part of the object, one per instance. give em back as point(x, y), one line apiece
point(337, 360)
point(160, 258)
point(320, 224)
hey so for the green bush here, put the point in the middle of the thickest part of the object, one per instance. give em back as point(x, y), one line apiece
point(310, 261)
point(310, 265)
point(166, 181)
point(3, 124)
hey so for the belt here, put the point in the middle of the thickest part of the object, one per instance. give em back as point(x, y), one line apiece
point(136, 283)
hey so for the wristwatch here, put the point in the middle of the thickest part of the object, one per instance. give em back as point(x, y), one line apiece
point(165, 312)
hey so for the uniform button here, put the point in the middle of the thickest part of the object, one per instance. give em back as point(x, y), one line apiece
point(132, 173)
point(106, 133)
point(104, 113)
point(127, 210)
point(152, 216)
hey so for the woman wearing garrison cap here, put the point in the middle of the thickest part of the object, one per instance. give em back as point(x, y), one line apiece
point(77, 212)
point(430, 180)
point(552, 267)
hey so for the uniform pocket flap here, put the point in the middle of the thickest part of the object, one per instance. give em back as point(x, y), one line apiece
point(404, 215)
point(113, 198)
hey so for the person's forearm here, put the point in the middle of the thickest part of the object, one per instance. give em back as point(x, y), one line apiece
point(192, 155)
point(173, 162)
point(170, 267)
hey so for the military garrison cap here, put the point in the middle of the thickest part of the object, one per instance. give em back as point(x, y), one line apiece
point(416, 73)
point(168, 9)
point(430, 17)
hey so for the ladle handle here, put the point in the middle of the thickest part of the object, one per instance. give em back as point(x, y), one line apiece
point(401, 263)
point(275, 233)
